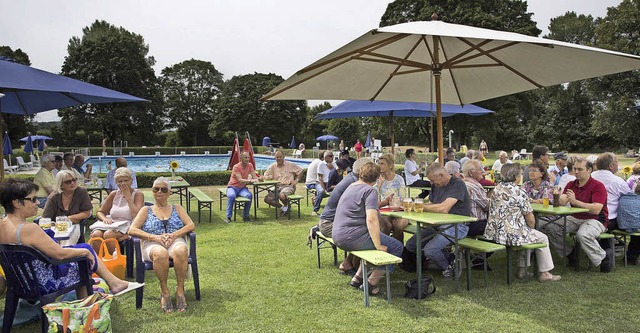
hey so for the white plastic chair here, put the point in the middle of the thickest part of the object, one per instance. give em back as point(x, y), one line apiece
point(22, 165)
point(10, 168)
point(35, 162)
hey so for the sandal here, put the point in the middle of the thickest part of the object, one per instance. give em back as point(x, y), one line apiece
point(373, 289)
point(181, 303)
point(165, 303)
point(350, 271)
point(356, 282)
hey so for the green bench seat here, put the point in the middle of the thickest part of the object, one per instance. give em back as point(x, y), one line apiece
point(411, 229)
point(621, 234)
point(204, 201)
point(294, 199)
point(516, 248)
point(612, 239)
point(478, 246)
point(323, 242)
point(377, 258)
point(239, 204)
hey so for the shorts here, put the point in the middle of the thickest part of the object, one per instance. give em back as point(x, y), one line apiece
point(148, 246)
point(287, 189)
point(326, 227)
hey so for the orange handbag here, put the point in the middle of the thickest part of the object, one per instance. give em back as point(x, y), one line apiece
point(111, 257)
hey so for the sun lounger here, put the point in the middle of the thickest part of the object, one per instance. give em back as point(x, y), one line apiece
point(22, 165)
point(10, 168)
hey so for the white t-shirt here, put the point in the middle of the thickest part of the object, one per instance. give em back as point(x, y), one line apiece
point(324, 170)
point(497, 165)
point(409, 167)
point(312, 172)
point(615, 186)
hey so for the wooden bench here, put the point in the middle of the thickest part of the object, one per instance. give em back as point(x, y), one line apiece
point(477, 246)
point(621, 234)
point(204, 201)
point(323, 242)
point(294, 199)
point(377, 258)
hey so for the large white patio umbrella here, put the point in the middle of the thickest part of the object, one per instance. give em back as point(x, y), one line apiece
point(446, 63)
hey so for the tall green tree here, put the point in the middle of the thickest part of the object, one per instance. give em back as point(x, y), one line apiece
point(313, 128)
point(117, 59)
point(240, 109)
point(191, 89)
point(16, 125)
point(573, 28)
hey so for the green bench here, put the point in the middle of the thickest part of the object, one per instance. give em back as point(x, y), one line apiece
point(313, 191)
point(239, 203)
point(294, 199)
point(513, 248)
point(204, 201)
point(411, 229)
point(602, 236)
point(621, 234)
point(477, 246)
point(223, 194)
point(377, 258)
point(323, 242)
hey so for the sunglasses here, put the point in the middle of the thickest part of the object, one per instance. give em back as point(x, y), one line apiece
point(32, 199)
point(160, 189)
point(70, 181)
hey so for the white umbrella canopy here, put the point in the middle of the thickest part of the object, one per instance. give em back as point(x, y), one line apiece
point(438, 62)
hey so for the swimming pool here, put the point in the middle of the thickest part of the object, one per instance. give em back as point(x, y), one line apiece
point(188, 163)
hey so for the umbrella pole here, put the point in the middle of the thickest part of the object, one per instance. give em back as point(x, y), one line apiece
point(391, 129)
point(437, 71)
point(1, 150)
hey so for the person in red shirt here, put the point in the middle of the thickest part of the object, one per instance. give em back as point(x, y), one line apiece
point(584, 192)
point(358, 148)
point(241, 175)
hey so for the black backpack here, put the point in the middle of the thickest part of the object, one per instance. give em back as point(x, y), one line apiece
point(412, 288)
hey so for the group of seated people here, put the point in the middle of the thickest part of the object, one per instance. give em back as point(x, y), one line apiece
point(352, 218)
point(161, 227)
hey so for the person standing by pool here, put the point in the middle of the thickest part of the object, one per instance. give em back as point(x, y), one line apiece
point(110, 183)
point(358, 149)
point(242, 174)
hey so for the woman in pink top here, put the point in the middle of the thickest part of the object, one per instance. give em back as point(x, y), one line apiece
point(241, 175)
point(358, 148)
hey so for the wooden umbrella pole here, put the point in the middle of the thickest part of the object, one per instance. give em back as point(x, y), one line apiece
point(436, 67)
point(393, 152)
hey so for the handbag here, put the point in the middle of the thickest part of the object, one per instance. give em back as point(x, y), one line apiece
point(412, 288)
point(115, 261)
point(90, 314)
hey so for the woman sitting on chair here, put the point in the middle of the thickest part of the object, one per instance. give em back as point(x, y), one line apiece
point(121, 205)
point(162, 228)
point(68, 199)
point(18, 197)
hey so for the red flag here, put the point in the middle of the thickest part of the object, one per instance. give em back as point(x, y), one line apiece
point(246, 146)
point(235, 155)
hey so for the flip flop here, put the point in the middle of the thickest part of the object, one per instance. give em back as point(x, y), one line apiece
point(132, 286)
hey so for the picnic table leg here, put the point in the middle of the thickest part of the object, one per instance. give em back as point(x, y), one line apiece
point(564, 244)
point(456, 264)
point(255, 201)
point(388, 277)
point(365, 282)
point(467, 260)
point(418, 260)
point(275, 190)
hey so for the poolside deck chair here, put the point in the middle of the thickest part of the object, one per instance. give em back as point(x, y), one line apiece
point(34, 161)
point(22, 165)
point(297, 154)
point(10, 168)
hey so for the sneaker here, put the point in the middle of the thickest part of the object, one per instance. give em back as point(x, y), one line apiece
point(448, 273)
point(606, 265)
point(246, 218)
point(227, 220)
point(285, 209)
point(314, 213)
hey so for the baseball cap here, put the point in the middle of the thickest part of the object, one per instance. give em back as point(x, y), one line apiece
point(561, 156)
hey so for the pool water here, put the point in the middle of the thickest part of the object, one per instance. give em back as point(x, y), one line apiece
point(188, 163)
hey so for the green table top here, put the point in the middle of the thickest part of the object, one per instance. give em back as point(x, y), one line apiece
point(431, 218)
point(562, 210)
point(179, 183)
point(267, 182)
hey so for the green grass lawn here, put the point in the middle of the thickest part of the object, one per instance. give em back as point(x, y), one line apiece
point(261, 277)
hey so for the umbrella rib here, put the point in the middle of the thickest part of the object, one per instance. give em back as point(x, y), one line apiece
point(453, 77)
point(454, 60)
point(486, 53)
point(395, 71)
point(477, 47)
point(350, 56)
point(396, 60)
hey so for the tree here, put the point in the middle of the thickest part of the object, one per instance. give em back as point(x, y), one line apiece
point(347, 129)
point(17, 126)
point(239, 109)
point(572, 28)
point(191, 89)
point(313, 128)
point(506, 15)
point(117, 59)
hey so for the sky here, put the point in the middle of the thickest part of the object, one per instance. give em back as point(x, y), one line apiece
point(237, 36)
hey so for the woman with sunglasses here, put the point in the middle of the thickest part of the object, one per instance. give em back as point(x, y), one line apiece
point(162, 229)
point(120, 206)
point(70, 200)
point(18, 197)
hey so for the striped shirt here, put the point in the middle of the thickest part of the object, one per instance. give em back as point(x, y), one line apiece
point(479, 200)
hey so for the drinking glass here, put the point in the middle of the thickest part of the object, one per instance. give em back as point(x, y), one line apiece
point(62, 223)
point(45, 223)
point(407, 204)
point(418, 205)
point(545, 202)
point(395, 203)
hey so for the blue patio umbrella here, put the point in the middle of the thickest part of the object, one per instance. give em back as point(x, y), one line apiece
point(26, 90)
point(353, 108)
point(327, 138)
point(368, 143)
point(41, 146)
point(293, 145)
point(6, 146)
point(36, 138)
point(28, 147)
